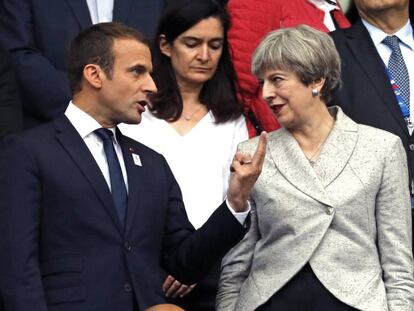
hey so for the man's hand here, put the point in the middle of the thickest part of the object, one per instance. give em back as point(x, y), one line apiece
point(245, 171)
point(173, 288)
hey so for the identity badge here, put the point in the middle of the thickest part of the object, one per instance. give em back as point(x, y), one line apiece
point(137, 159)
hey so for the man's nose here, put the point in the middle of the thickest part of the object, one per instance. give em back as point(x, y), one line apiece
point(150, 86)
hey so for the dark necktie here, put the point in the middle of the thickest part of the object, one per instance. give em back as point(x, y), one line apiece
point(397, 68)
point(118, 189)
point(332, 13)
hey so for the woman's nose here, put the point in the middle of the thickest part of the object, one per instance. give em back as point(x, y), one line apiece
point(203, 53)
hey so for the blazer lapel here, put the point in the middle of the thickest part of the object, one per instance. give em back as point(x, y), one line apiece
point(67, 135)
point(294, 166)
point(337, 149)
point(81, 11)
point(366, 54)
point(137, 174)
point(121, 10)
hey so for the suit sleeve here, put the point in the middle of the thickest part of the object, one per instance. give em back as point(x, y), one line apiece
point(188, 254)
point(236, 265)
point(45, 90)
point(393, 215)
point(20, 282)
point(10, 108)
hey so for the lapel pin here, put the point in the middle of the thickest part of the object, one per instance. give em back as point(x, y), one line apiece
point(136, 159)
point(131, 149)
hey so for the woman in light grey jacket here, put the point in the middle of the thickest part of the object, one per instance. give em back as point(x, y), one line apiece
point(331, 225)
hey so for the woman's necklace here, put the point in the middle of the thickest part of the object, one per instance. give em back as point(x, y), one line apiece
point(189, 116)
point(312, 157)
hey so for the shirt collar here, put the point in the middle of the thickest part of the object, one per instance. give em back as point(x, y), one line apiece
point(83, 122)
point(325, 6)
point(405, 34)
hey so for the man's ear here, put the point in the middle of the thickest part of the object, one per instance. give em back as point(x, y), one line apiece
point(165, 46)
point(93, 74)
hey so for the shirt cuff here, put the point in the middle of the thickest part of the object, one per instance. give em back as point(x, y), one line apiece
point(240, 216)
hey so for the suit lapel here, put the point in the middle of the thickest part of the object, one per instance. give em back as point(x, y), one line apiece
point(81, 11)
point(337, 149)
point(79, 152)
point(335, 154)
point(293, 165)
point(121, 10)
point(366, 54)
point(136, 178)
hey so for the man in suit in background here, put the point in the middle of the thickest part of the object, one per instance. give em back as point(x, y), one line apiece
point(10, 108)
point(367, 95)
point(37, 33)
point(88, 217)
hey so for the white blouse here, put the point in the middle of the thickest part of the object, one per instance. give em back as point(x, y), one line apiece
point(200, 160)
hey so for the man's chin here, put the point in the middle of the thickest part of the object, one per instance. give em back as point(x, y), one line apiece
point(136, 120)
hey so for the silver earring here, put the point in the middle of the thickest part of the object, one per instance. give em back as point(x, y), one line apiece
point(315, 92)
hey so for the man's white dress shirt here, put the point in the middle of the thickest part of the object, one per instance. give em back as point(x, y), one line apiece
point(85, 125)
point(101, 11)
point(326, 8)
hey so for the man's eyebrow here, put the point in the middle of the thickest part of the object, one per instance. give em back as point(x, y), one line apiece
point(139, 67)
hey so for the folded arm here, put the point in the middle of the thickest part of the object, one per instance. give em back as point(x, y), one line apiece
point(44, 88)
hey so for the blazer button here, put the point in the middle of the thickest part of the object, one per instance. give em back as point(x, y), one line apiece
point(128, 247)
point(411, 146)
point(128, 287)
point(329, 210)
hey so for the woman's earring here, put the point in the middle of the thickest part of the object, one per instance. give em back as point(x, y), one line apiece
point(315, 92)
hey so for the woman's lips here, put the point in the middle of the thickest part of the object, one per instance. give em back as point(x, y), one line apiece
point(201, 69)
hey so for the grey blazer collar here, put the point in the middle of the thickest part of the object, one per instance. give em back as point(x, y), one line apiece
point(335, 154)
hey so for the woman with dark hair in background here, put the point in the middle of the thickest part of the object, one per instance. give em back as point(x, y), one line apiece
point(194, 120)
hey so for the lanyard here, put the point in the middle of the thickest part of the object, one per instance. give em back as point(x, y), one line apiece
point(405, 109)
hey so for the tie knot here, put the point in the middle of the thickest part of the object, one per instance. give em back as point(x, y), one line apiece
point(392, 42)
point(104, 134)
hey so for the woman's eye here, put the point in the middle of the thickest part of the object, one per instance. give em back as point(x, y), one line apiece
point(190, 44)
point(216, 45)
point(275, 79)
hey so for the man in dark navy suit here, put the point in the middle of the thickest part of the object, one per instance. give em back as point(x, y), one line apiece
point(367, 95)
point(91, 220)
point(38, 32)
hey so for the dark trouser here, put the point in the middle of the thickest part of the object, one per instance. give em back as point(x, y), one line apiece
point(203, 296)
point(304, 292)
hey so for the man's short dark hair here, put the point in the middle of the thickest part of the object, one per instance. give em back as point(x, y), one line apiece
point(94, 45)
